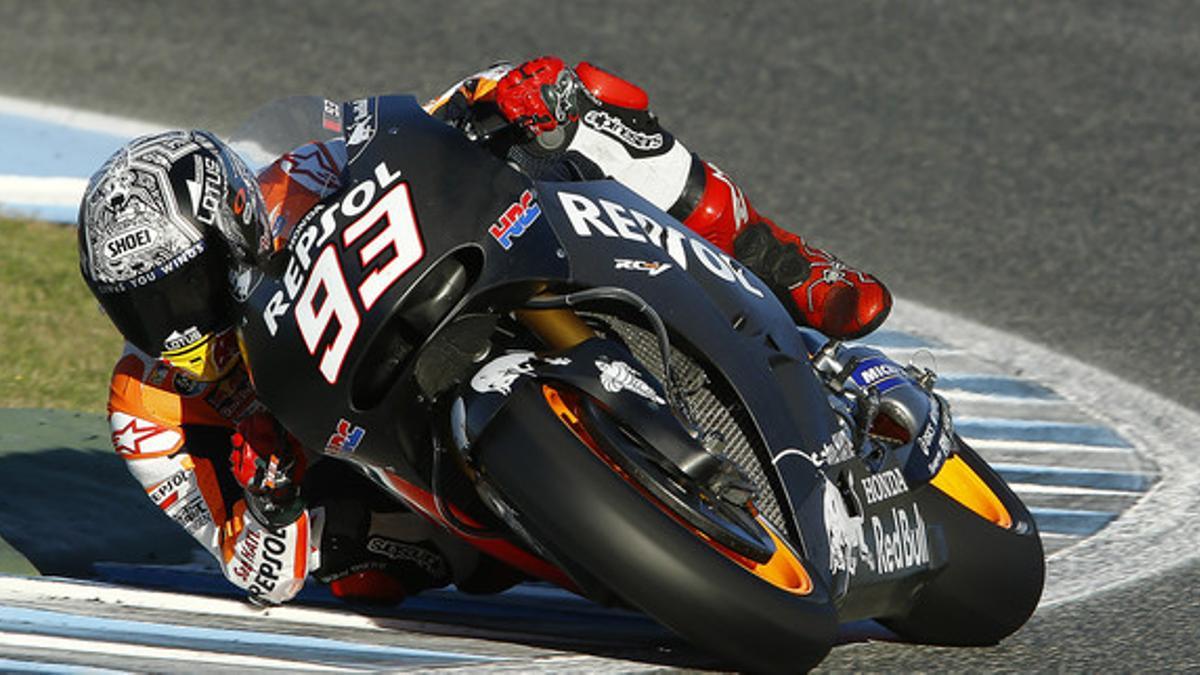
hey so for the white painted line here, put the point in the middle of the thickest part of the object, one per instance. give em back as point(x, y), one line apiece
point(1056, 535)
point(40, 591)
point(966, 396)
point(1000, 445)
point(26, 589)
point(1154, 535)
point(1002, 428)
point(995, 385)
point(1083, 522)
point(78, 119)
point(923, 356)
point(205, 638)
point(53, 191)
point(30, 641)
point(1036, 489)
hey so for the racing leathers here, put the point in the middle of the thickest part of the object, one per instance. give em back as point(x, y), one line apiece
point(183, 440)
point(174, 434)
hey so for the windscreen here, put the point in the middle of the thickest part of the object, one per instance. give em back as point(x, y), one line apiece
point(297, 149)
point(284, 125)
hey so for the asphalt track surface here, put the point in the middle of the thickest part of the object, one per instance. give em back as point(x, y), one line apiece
point(1027, 165)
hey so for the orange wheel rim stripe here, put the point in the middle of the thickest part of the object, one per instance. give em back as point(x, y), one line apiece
point(963, 485)
point(783, 571)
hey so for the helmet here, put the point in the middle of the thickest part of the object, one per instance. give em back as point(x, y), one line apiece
point(164, 226)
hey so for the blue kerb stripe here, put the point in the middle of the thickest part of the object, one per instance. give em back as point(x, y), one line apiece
point(37, 148)
point(54, 214)
point(1067, 521)
point(995, 385)
point(1084, 478)
point(14, 666)
point(894, 339)
point(1039, 430)
point(273, 645)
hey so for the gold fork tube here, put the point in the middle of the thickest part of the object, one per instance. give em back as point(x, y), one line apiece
point(558, 328)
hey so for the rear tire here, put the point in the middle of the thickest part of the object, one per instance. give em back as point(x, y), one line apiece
point(994, 580)
point(592, 518)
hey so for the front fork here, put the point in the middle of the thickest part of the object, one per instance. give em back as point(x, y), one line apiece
point(559, 328)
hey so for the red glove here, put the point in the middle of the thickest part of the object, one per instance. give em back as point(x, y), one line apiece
point(268, 463)
point(539, 94)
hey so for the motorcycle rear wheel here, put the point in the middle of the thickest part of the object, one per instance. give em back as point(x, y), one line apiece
point(595, 518)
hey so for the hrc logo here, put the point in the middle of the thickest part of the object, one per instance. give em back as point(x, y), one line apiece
point(516, 218)
point(345, 439)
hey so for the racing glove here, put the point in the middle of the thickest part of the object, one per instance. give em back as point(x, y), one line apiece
point(270, 562)
point(268, 463)
point(269, 543)
point(539, 94)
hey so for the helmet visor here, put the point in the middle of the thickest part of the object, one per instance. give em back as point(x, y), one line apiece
point(178, 309)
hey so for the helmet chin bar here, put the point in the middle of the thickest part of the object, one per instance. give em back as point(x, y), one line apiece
point(208, 359)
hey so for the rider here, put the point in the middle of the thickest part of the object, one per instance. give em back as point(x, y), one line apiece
point(170, 221)
point(165, 227)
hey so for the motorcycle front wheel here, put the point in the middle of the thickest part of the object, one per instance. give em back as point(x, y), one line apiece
point(575, 500)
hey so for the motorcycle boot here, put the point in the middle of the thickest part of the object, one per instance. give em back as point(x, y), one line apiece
point(819, 290)
point(827, 294)
point(376, 551)
point(377, 558)
point(373, 550)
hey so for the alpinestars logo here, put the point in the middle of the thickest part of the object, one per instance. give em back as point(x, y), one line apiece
point(133, 436)
point(611, 125)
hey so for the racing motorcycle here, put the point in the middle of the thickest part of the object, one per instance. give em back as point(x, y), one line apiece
point(576, 384)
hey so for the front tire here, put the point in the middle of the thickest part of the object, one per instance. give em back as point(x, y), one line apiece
point(590, 516)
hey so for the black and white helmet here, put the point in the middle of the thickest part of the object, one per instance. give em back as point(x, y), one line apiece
point(162, 227)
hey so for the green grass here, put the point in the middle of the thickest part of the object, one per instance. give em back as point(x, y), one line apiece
point(57, 349)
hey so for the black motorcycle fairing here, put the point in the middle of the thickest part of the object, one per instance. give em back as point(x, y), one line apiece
point(418, 195)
